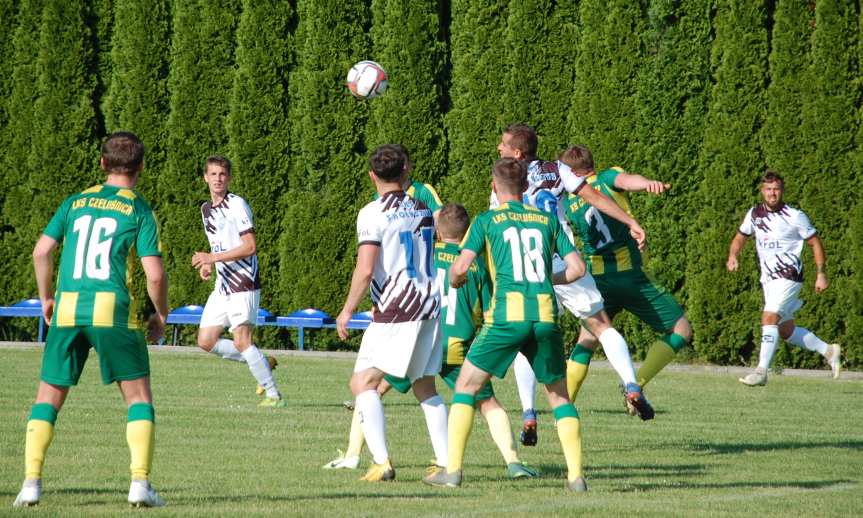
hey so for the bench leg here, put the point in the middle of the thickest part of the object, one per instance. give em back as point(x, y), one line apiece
point(301, 345)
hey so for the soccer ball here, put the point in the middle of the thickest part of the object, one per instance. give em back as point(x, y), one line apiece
point(367, 79)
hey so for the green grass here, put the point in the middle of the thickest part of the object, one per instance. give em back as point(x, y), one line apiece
point(715, 447)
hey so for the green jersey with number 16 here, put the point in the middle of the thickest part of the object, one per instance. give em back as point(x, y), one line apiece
point(519, 242)
point(104, 229)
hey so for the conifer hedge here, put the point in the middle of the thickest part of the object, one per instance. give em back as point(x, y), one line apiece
point(702, 95)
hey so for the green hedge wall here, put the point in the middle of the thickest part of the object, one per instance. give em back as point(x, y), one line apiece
point(703, 95)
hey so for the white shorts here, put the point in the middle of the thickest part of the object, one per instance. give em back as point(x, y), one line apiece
point(582, 297)
point(782, 296)
point(232, 310)
point(404, 349)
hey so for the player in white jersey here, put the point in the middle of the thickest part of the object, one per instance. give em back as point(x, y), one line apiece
point(394, 262)
point(545, 188)
point(234, 302)
point(779, 232)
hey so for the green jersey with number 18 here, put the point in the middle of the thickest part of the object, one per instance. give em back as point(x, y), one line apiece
point(519, 242)
point(104, 230)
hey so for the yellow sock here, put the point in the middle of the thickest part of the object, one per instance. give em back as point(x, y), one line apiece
point(659, 355)
point(501, 433)
point(356, 439)
point(460, 423)
point(40, 432)
point(575, 374)
point(140, 436)
point(569, 432)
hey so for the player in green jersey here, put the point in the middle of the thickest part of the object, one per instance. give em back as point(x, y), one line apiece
point(460, 315)
point(104, 229)
point(518, 242)
point(614, 260)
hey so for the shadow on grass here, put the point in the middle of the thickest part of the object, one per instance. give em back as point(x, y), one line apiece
point(797, 484)
point(619, 471)
point(614, 411)
point(431, 495)
point(742, 447)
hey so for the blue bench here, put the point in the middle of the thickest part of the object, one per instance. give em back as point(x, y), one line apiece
point(301, 320)
point(26, 309)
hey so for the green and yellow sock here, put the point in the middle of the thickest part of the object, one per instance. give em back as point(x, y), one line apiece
point(140, 435)
point(501, 433)
point(659, 355)
point(569, 432)
point(576, 369)
point(460, 423)
point(40, 432)
point(356, 438)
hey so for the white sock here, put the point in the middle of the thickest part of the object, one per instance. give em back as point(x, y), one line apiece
point(525, 380)
point(227, 350)
point(261, 371)
point(802, 337)
point(769, 343)
point(436, 420)
point(617, 352)
point(374, 426)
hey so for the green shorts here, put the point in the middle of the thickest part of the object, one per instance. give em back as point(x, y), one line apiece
point(122, 354)
point(633, 291)
point(449, 373)
point(496, 346)
point(403, 385)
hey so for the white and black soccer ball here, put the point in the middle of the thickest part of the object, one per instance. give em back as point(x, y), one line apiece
point(367, 79)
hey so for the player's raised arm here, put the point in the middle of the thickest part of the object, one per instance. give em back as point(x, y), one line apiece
point(367, 254)
point(575, 269)
point(43, 263)
point(574, 183)
point(458, 270)
point(637, 183)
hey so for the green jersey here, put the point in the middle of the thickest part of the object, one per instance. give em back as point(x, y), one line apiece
point(608, 247)
point(462, 308)
point(104, 230)
point(424, 193)
point(519, 242)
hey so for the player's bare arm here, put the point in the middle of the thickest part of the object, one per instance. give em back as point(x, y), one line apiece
point(607, 205)
point(575, 269)
point(367, 254)
point(821, 281)
point(458, 270)
point(205, 271)
point(157, 289)
point(247, 248)
point(637, 183)
point(43, 263)
point(734, 250)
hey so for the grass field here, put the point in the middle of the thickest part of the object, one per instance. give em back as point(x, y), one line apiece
point(715, 447)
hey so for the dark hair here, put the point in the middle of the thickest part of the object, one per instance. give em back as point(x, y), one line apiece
point(123, 153)
point(578, 158)
point(523, 138)
point(452, 221)
point(388, 162)
point(218, 160)
point(510, 174)
point(404, 151)
point(772, 176)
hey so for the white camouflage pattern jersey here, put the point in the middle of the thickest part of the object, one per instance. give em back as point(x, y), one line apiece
point(779, 237)
point(403, 286)
point(225, 223)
